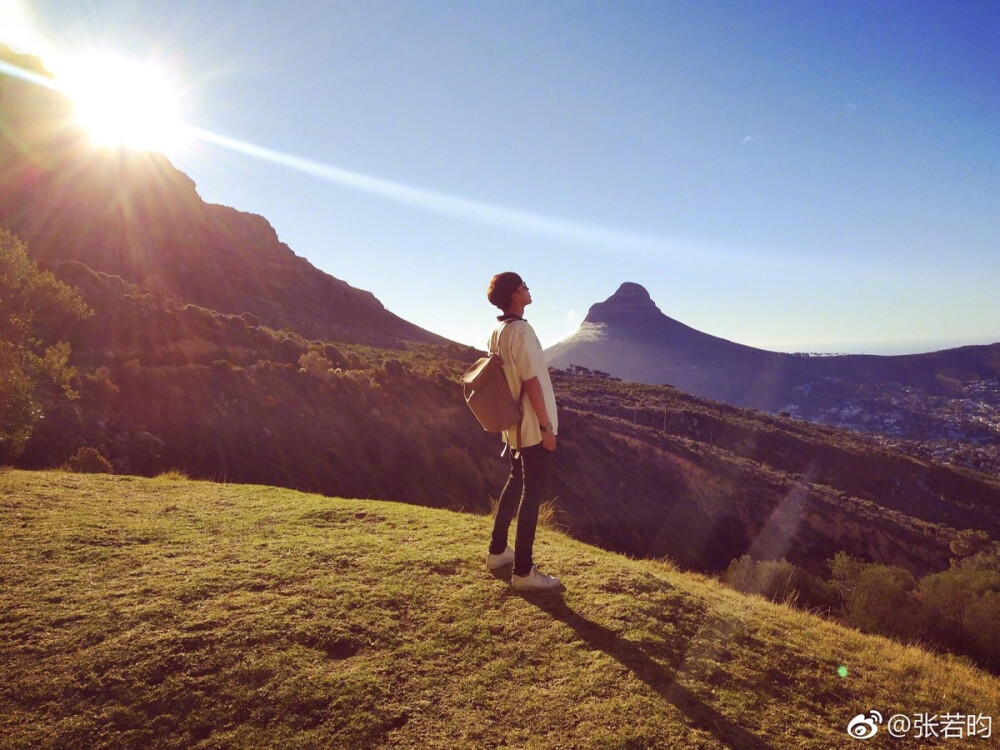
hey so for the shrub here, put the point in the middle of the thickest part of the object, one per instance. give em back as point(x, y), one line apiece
point(970, 542)
point(963, 607)
point(315, 364)
point(173, 475)
point(878, 598)
point(781, 581)
point(34, 310)
point(89, 461)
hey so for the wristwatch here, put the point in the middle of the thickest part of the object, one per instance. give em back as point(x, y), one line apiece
point(548, 428)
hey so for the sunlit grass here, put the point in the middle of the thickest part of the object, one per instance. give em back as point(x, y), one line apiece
point(169, 613)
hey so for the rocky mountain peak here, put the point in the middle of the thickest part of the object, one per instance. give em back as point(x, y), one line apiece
point(630, 304)
point(629, 290)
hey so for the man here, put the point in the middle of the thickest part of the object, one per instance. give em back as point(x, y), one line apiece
point(524, 367)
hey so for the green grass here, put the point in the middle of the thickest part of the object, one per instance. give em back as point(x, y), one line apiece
point(170, 613)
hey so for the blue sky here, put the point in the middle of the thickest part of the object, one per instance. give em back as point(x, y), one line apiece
point(798, 176)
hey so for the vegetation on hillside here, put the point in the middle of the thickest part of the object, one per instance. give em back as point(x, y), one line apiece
point(643, 470)
point(954, 610)
point(166, 613)
point(34, 311)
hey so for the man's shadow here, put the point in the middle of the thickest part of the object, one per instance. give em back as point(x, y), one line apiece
point(660, 679)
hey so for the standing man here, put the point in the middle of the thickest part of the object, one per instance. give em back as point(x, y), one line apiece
point(524, 366)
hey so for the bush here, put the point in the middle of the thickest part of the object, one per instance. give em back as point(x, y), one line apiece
point(315, 364)
point(89, 461)
point(879, 598)
point(971, 542)
point(963, 607)
point(34, 311)
point(780, 581)
point(173, 475)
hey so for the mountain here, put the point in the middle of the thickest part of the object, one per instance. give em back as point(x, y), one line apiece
point(627, 336)
point(134, 215)
point(214, 350)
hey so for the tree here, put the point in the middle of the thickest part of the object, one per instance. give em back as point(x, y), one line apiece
point(963, 606)
point(35, 307)
point(878, 598)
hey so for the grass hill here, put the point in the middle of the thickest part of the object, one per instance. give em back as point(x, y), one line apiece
point(170, 613)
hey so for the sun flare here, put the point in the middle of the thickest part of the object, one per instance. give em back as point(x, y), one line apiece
point(126, 103)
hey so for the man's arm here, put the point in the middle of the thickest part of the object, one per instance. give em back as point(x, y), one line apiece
point(534, 390)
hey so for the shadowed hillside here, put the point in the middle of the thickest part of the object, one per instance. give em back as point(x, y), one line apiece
point(170, 614)
point(641, 469)
point(132, 214)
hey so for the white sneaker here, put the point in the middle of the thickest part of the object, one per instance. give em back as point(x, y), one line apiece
point(535, 581)
point(495, 562)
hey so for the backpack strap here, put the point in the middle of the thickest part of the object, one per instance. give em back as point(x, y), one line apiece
point(496, 343)
point(520, 398)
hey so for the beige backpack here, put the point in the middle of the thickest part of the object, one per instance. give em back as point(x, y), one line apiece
point(488, 395)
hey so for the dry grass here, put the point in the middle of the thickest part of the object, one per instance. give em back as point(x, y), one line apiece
point(145, 613)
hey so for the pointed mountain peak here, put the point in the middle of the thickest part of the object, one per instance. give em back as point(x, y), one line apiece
point(630, 292)
point(630, 303)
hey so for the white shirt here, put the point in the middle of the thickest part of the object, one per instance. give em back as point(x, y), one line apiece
point(524, 359)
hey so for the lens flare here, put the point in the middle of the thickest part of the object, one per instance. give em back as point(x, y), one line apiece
point(466, 209)
point(124, 103)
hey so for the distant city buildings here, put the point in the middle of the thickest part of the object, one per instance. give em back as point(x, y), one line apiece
point(962, 429)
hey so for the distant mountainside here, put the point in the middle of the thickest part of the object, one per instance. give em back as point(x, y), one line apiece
point(132, 214)
point(629, 337)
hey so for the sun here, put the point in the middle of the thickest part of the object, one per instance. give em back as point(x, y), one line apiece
point(124, 103)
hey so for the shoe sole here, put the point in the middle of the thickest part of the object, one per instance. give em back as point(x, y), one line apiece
point(558, 588)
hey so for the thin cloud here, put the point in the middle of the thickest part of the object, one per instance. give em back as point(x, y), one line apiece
point(611, 239)
point(529, 222)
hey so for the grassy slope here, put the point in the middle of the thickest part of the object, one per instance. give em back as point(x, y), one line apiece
point(169, 613)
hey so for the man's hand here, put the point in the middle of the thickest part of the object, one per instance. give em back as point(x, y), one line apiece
point(533, 389)
point(549, 440)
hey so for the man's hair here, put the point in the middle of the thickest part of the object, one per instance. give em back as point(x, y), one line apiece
point(502, 288)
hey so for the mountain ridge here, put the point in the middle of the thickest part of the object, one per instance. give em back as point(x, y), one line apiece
point(133, 214)
point(628, 336)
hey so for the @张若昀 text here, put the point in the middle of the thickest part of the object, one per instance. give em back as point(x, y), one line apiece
point(922, 726)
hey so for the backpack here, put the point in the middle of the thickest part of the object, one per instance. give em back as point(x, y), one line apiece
point(488, 395)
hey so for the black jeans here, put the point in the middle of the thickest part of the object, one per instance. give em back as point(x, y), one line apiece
point(521, 495)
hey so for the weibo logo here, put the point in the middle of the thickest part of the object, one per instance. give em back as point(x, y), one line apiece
point(864, 726)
